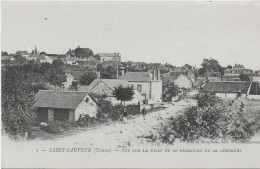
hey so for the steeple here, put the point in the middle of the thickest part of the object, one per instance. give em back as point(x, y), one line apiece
point(35, 50)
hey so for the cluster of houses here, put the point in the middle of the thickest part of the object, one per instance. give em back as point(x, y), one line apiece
point(84, 57)
point(150, 84)
point(148, 89)
point(68, 105)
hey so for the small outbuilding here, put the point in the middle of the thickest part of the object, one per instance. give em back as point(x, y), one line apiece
point(63, 106)
point(229, 89)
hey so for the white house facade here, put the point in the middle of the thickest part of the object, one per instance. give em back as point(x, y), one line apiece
point(148, 84)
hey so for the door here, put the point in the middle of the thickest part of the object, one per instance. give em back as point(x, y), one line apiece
point(42, 115)
point(61, 114)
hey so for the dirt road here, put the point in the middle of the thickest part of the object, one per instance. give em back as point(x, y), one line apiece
point(113, 136)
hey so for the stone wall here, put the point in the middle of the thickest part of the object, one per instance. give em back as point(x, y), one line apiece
point(72, 115)
point(50, 114)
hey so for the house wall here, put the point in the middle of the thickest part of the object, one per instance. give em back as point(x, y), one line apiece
point(183, 81)
point(50, 114)
point(72, 115)
point(146, 88)
point(46, 61)
point(256, 78)
point(89, 108)
point(100, 89)
point(152, 90)
point(257, 97)
point(229, 95)
point(156, 92)
point(113, 59)
point(104, 59)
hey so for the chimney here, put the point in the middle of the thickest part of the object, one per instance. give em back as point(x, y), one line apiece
point(158, 76)
point(117, 73)
point(98, 74)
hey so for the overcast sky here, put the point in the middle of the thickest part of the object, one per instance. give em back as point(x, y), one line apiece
point(173, 32)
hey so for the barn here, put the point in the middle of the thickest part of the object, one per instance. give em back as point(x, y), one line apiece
point(63, 105)
point(229, 89)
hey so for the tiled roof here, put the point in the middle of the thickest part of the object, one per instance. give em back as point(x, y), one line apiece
point(83, 88)
point(75, 74)
point(136, 77)
point(58, 99)
point(227, 87)
point(110, 83)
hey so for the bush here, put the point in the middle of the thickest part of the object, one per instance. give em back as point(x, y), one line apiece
point(213, 120)
point(133, 109)
point(18, 121)
point(207, 100)
point(85, 120)
point(57, 127)
point(52, 127)
point(194, 123)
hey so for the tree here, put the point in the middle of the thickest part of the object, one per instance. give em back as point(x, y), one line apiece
point(19, 84)
point(244, 77)
point(55, 74)
point(17, 115)
point(74, 86)
point(209, 65)
point(97, 57)
point(229, 67)
point(124, 93)
point(188, 66)
point(99, 67)
point(4, 53)
point(83, 52)
point(87, 78)
point(173, 89)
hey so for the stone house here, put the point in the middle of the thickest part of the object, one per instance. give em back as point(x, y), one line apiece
point(146, 83)
point(63, 106)
point(107, 86)
point(182, 80)
point(113, 57)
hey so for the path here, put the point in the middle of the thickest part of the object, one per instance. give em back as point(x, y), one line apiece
point(114, 136)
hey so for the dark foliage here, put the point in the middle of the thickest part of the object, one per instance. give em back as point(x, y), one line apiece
point(19, 84)
point(83, 52)
point(87, 78)
point(244, 77)
point(210, 65)
point(207, 100)
point(124, 93)
point(225, 120)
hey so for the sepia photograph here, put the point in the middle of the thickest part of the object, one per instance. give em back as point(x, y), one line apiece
point(130, 84)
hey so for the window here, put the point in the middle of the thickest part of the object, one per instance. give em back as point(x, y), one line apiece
point(139, 88)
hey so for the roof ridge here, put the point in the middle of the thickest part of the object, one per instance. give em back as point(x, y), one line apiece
point(61, 91)
point(230, 81)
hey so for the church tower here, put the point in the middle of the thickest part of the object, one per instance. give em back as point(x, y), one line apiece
point(35, 50)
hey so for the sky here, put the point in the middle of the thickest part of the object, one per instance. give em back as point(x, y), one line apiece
point(162, 32)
